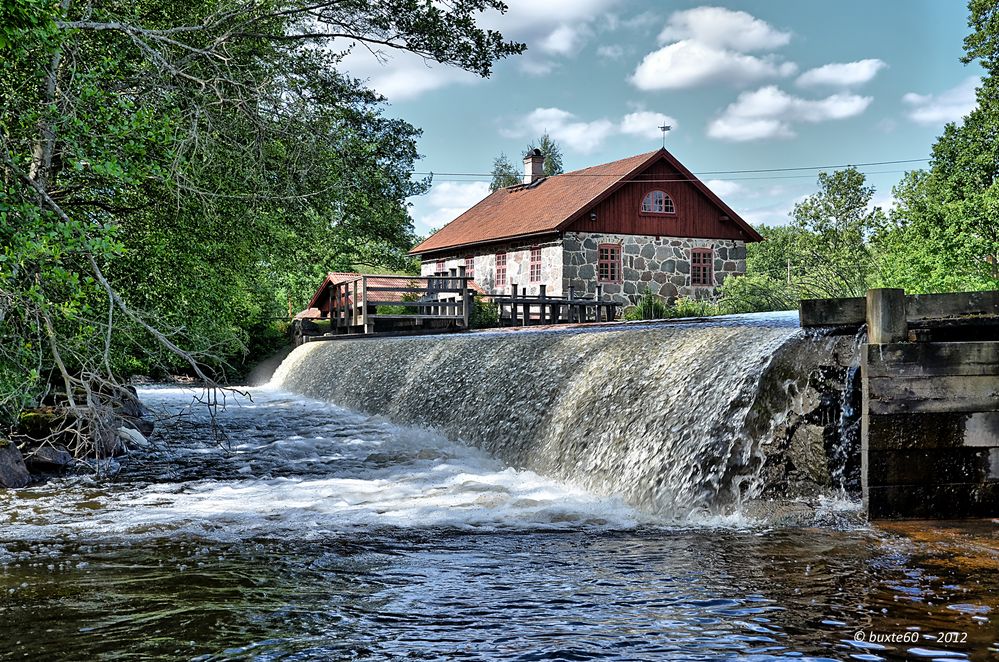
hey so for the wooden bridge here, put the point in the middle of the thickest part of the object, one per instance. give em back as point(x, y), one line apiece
point(363, 304)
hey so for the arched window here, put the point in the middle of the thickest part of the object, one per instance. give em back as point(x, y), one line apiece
point(657, 202)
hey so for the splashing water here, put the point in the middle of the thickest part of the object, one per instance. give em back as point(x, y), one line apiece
point(656, 415)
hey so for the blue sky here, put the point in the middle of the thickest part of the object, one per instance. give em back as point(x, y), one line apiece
point(746, 85)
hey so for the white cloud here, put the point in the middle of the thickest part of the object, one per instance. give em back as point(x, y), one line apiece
point(565, 128)
point(723, 29)
point(446, 201)
point(770, 113)
point(842, 74)
point(773, 214)
point(610, 52)
point(645, 124)
point(724, 187)
point(689, 63)
point(587, 136)
point(551, 29)
point(711, 45)
point(948, 106)
point(404, 76)
point(565, 39)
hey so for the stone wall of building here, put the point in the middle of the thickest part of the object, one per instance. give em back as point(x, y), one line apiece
point(661, 264)
point(518, 266)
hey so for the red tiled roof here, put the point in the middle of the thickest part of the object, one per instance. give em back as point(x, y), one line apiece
point(548, 205)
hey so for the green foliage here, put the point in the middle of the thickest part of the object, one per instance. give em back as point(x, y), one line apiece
point(649, 307)
point(653, 307)
point(179, 174)
point(826, 252)
point(484, 315)
point(756, 293)
point(944, 234)
point(689, 307)
point(504, 173)
point(836, 224)
point(552, 152)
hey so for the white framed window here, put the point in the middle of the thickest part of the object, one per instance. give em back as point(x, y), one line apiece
point(658, 202)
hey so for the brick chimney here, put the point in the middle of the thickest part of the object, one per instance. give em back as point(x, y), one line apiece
point(534, 163)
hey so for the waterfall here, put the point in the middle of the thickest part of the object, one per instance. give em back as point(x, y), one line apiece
point(668, 416)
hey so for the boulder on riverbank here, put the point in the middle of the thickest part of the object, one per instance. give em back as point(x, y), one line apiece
point(49, 439)
point(13, 472)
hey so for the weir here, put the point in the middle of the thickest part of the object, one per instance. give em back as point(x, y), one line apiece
point(676, 418)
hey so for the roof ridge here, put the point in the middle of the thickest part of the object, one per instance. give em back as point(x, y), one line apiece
point(642, 156)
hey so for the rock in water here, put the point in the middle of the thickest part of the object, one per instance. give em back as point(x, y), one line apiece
point(13, 472)
point(49, 458)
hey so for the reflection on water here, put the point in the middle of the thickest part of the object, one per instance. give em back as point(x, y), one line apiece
point(327, 535)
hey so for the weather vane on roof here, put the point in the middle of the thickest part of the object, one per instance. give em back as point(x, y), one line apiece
point(664, 128)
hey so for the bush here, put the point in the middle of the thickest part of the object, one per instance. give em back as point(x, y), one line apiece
point(684, 307)
point(649, 307)
point(484, 314)
point(756, 293)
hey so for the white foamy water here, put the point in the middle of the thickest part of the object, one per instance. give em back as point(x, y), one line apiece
point(295, 466)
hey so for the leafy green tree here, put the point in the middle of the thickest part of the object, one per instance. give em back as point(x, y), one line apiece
point(944, 234)
point(171, 175)
point(779, 256)
point(552, 152)
point(837, 223)
point(504, 173)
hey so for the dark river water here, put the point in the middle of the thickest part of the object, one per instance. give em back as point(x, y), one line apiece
point(322, 534)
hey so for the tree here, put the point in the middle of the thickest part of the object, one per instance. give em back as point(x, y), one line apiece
point(552, 153)
point(837, 223)
point(504, 173)
point(170, 173)
point(944, 234)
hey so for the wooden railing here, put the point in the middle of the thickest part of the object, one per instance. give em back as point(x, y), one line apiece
point(518, 308)
point(354, 304)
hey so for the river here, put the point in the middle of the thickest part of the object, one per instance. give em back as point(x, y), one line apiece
point(317, 533)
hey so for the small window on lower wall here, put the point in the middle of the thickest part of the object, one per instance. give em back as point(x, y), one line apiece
point(702, 266)
point(439, 267)
point(500, 270)
point(470, 267)
point(609, 263)
point(535, 272)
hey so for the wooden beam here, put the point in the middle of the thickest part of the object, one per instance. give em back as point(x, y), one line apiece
point(832, 312)
point(951, 393)
point(931, 359)
point(956, 304)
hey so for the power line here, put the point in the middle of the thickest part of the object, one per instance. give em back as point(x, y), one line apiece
point(698, 174)
point(731, 179)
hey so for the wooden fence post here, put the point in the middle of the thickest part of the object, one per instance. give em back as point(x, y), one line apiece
point(542, 292)
point(886, 321)
point(466, 304)
point(513, 304)
point(354, 303)
point(368, 326)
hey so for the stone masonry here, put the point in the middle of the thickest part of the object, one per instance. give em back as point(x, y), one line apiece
point(661, 264)
point(518, 267)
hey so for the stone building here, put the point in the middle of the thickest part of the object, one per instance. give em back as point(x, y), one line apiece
point(645, 222)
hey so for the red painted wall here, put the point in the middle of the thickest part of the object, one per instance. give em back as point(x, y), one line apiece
point(696, 215)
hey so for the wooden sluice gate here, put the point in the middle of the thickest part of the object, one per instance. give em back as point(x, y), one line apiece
point(930, 380)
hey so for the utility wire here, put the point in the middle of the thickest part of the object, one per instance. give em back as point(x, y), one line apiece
point(582, 173)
